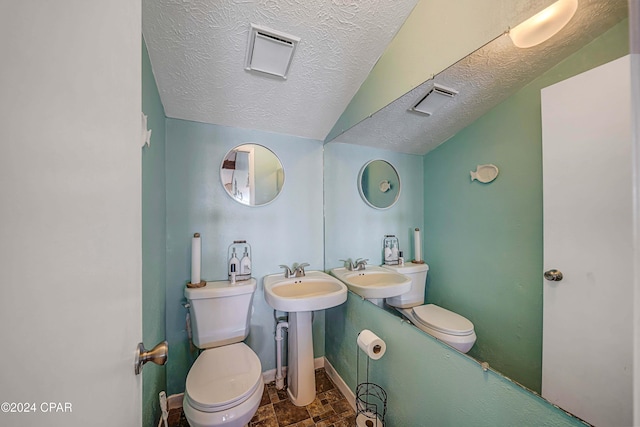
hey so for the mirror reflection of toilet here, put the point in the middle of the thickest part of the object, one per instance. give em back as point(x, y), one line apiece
point(445, 325)
point(224, 386)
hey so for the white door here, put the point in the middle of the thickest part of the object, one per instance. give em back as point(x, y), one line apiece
point(70, 214)
point(588, 315)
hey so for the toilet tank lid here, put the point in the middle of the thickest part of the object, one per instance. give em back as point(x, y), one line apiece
point(222, 288)
point(408, 267)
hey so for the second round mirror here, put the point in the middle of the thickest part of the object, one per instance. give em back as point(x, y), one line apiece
point(379, 184)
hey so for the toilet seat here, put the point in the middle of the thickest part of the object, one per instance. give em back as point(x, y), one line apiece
point(442, 320)
point(223, 377)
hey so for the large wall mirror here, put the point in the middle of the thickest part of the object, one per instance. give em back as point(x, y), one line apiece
point(252, 175)
point(507, 309)
point(379, 184)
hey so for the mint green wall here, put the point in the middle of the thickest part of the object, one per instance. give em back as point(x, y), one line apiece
point(353, 229)
point(428, 383)
point(483, 242)
point(153, 241)
point(288, 230)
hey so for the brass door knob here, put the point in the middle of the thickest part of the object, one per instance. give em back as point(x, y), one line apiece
point(553, 275)
point(158, 355)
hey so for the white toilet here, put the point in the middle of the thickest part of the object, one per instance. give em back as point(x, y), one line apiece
point(224, 386)
point(447, 326)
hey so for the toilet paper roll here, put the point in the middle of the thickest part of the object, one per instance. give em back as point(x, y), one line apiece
point(417, 245)
point(367, 419)
point(195, 258)
point(371, 344)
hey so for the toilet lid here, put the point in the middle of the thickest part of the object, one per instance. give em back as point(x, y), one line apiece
point(223, 377)
point(442, 320)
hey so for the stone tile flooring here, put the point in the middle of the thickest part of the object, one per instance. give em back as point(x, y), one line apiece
point(329, 409)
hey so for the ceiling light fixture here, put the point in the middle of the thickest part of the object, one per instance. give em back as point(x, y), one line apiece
point(270, 51)
point(435, 99)
point(543, 25)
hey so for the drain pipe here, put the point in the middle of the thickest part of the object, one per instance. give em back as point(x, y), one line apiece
point(279, 338)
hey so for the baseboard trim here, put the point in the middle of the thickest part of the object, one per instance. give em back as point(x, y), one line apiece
point(270, 375)
point(175, 401)
point(339, 382)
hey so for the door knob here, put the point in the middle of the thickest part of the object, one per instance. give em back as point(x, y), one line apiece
point(553, 275)
point(158, 355)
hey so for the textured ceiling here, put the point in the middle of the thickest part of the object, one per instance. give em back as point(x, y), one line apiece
point(197, 50)
point(483, 79)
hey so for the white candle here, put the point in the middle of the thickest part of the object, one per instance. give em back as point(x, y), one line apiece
point(195, 258)
point(417, 245)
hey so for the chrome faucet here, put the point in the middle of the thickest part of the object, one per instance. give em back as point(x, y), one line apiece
point(287, 271)
point(348, 264)
point(296, 270)
point(361, 264)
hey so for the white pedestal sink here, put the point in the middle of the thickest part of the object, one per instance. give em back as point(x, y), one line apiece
point(300, 296)
point(374, 282)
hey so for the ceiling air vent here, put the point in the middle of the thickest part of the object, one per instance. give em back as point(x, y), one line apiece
point(434, 99)
point(270, 51)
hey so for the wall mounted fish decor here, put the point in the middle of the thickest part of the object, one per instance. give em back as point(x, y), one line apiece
point(484, 173)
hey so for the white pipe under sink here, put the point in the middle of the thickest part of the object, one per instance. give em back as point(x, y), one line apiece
point(279, 339)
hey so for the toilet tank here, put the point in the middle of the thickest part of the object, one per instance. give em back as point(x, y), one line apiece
point(220, 313)
point(418, 275)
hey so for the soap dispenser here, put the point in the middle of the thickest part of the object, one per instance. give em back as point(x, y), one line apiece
point(387, 251)
point(394, 250)
point(242, 267)
point(391, 248)
point(234, 264)
point(245, 263)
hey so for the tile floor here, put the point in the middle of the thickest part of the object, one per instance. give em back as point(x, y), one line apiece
point(329, 409)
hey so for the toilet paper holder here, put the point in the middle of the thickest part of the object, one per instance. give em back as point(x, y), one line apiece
point(371, 399)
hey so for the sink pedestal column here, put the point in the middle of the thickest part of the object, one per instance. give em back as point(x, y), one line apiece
point(301, 379)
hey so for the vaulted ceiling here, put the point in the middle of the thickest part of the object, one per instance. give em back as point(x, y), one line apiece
point(355, 61)
point(483, 79)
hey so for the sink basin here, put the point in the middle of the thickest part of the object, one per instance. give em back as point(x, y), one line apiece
point(374, 282)
point(315, 291)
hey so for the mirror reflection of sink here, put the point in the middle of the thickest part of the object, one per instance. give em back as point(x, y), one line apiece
point(315, 291)
point(374, 282)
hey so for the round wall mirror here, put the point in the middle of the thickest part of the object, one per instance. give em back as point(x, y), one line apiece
point(252, 175)
point(379, 184)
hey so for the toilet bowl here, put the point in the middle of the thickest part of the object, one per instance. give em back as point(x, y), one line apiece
point(445, 325)
point(224, 386)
